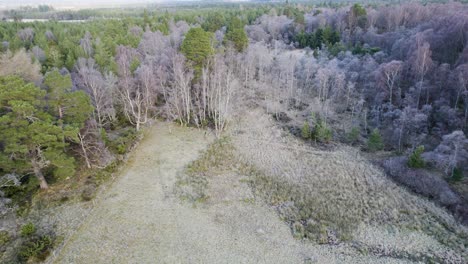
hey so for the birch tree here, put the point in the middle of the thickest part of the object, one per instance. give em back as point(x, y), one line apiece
point(100, 88)
point(388, 76)
point(136, 87)
point(422, 63)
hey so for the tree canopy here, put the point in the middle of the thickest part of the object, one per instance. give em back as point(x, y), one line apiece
point(197, 47)
point(236, 35)
point(31, 141)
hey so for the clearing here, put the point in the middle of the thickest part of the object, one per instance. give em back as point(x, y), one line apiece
point(140, 218)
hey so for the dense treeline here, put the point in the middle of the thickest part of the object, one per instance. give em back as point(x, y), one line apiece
point(398, 69)
point(116, 74)
point(395, 81)
point(384, 77)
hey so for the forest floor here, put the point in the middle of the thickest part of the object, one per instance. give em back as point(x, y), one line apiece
point(141, 219)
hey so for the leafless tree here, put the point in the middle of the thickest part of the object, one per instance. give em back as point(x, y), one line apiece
point(421, 62)
point(50, 36)
point(20, 64)
point(26, 35)
point(388, 76)
point(135, 31)
point(39, 54)
point(86, 44)
point(177, 32)
point(461, 73)
point(219, 86)
point(180, 99)
point(135, 89)
point(154, 43)
point(452, 153)
point(100, 88)
point(91, 147)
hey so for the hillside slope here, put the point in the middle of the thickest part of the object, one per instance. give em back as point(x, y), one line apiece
point(141, 219)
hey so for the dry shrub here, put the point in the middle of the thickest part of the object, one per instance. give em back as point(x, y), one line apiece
point(421, 181)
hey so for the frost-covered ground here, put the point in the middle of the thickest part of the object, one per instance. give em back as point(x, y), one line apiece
point(140, 219)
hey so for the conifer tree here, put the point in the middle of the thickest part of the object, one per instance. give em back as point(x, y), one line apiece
point(31, 141)
point(197, 47)
point(236, 35)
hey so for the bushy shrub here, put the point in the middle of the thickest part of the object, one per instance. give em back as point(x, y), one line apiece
point(122, 141)
point(4, 237)
point(322, 132)
point(35, 249)
point(28, 229)
point(420, 181)
point(415, 160)
point(375, 142)
point(457, 175)
point(353, 135)
point(305, 131)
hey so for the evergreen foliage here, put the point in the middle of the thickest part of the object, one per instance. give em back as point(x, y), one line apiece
point(236, 35)
point(415, 160)
point(197, 47)
point(305, 131)
point(322, 132)
point(375, 142)
point(37, 127)
point(315, 40)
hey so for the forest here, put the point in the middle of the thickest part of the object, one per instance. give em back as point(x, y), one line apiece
point(390, 80)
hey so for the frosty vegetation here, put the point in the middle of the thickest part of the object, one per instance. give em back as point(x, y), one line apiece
point(390, 79)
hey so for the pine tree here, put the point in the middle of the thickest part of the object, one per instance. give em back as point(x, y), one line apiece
point(70, 108)
point(375, 142)
point(236, 35)
point(305, 131)
point(415, 160)
point(214, 22)
point(197, 47)
point(31, 141)
point(322, 132)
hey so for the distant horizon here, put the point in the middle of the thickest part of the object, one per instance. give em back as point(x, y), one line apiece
point(73, 4)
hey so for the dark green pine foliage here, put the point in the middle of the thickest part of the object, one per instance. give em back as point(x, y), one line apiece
point(236, 35)
point(214, 22)
point(70, 108)
point(31, 140)
point(375, 142)
point(197, 48)
point(326, 36)
point(415, 160)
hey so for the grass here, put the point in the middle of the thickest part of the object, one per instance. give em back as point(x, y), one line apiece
point(192, 184)
point(293, 202)
point(325, 196)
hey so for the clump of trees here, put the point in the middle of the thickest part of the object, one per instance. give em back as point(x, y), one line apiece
point(235, 35)
point(37, 126)
point(315, 40)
